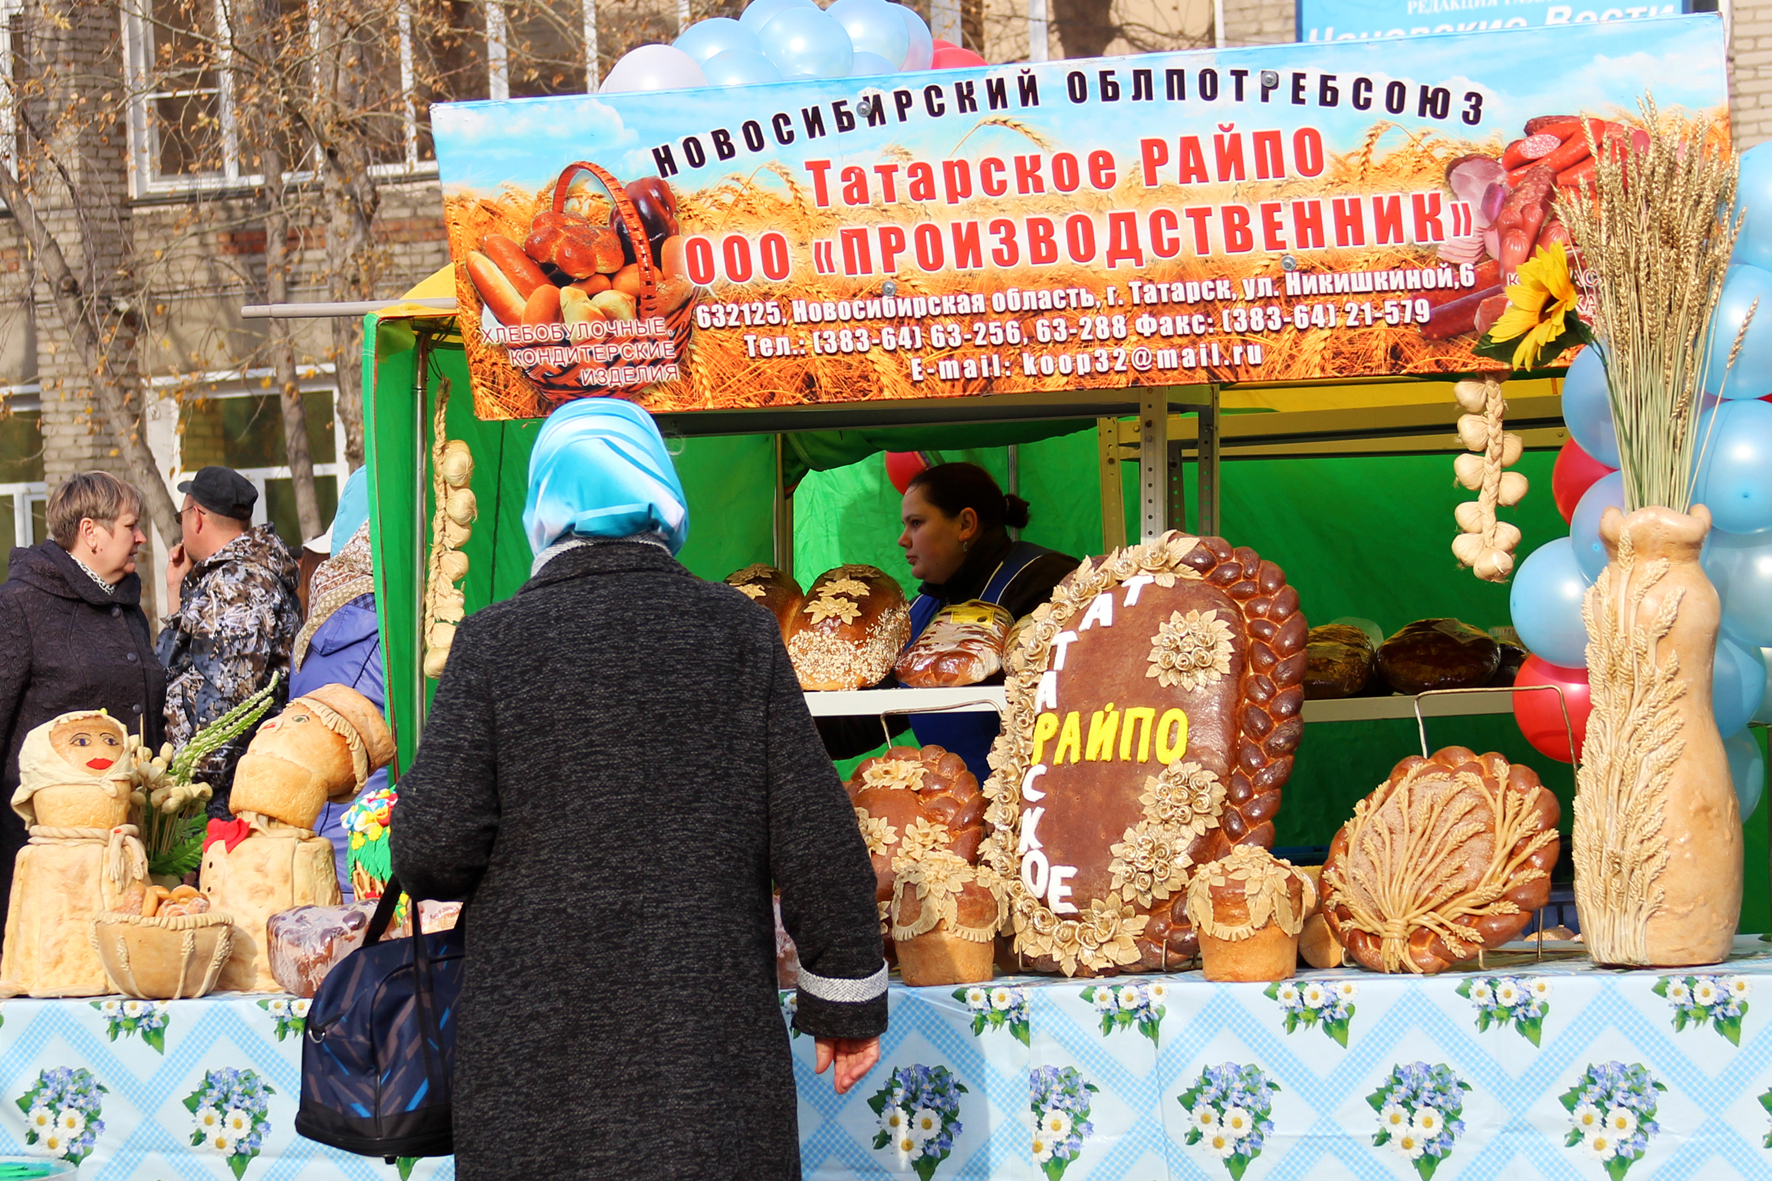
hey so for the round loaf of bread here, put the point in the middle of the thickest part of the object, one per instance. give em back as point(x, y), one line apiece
point(773, 589)
point(909, 802)
point(1338, 661)
point(1438, 654)
point(1449, 856)
point(849, 630)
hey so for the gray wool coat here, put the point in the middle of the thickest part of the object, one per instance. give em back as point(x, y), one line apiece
point(617, 764)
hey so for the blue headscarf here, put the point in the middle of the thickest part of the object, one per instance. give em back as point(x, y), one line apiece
point(353, 508)
point(600, 469)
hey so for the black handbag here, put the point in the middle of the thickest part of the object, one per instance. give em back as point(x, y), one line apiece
point(378, 1052)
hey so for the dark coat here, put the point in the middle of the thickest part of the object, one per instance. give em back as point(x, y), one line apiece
point(618, 763)
point(67, 645)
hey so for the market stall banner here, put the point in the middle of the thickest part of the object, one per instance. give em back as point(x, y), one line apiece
point(132, 1090)
point(1276, 213)
point(1523, 1070)
point(1358, 20)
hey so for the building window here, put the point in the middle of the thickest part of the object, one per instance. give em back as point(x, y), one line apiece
point(244, 431)
point(187, 127)
point(22, 490)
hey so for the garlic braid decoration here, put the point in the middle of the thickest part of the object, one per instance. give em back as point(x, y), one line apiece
point(452, 470)
point(1486, 545)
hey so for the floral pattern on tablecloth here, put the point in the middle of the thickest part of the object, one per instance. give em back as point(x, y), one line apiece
point(1327, 1006)
point(1520, 1003)
point(1419, 1106)
point(62, 1110)
point(125, 1017)
point(230, 1116)
point(1230, 1111)
point(999, 1007)
point(1612, 1109)
point(290, 1015)
point(919, 1117)
point(1059, 1098)
point(1717, 1001)
point(1129, 1006)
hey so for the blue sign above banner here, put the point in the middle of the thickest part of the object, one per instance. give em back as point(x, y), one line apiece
point(1363, 20)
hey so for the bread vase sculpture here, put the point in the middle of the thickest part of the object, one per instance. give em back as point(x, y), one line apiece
point(1657, 835)
point(1450, 855)
point(1248, 909)
point(74, 793)
point(1153, 710)
point(322, 747)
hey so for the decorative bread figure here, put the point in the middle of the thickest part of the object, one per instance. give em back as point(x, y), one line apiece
point(849, 630)
point(323, 746)
point(910, 801)
point(74, 793)
point(1153, 712)
point(774, 589)
point(1249, 908)
point(1449, 856)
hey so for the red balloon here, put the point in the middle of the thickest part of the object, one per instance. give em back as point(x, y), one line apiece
point(947, 57)
point(940, 44)
point(902, 467)
point(1575, 472)
point(1540, 714)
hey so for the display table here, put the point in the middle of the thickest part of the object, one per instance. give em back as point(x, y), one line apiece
point(1480, 1075)
point(120, 1086)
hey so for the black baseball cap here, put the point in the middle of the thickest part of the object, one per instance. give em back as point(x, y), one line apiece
point(222, 491)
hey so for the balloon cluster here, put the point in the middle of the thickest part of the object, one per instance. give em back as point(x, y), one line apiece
point(774, 40)
point(1733, 480)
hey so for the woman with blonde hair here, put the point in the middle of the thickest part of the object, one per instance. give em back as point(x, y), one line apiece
point(72, 632)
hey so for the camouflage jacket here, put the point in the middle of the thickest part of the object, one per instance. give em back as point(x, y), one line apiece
point(236, 623)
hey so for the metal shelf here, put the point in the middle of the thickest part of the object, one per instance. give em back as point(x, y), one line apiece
point(990, 698)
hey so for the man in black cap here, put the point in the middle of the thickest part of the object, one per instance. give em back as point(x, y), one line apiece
point(231, 617)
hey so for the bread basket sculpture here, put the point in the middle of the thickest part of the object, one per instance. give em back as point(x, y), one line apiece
point(584, 309)
point(1449, 856)
point(163, 957)
point(1248, 909)
point(1153, 711)
point(910, 802)
point(322, 747)
point(76, 779)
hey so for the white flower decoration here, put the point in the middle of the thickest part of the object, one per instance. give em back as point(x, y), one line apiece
point(1508, 994)
point(1588, 1118)
point(1205, 1118)
point(1705, 991)
point(1426, 1123)
point(1678, 993)
point(908, 1147)
point(1055, 1124)
point(1158, 992)
point(894, 1120)
point(977, 998)
point(1222, 1143)
point(1482, 994)
point(1236, 1122)
point(1002, 999)
point(1602, 1146)
point(40, 1120)
point(1540, 987)
point(111, 1007)
point(55, 1142)
point(71, 1121)
point(1738, 987)
point(1394, 1119)
point(1315, 996)
point(1128, 997)
point(209, 1119)
point(1410, 1143)
point(300, 1008)
point(134, 1008)
point(1042, 1146)
point(1621, 1122)
point(1346, 989)
point(237, 1123)
point(277, 1007)
point(1288, 995)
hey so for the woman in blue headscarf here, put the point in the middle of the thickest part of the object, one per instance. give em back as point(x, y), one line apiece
point(618, 764)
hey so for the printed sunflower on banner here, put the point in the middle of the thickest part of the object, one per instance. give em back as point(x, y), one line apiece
point(1059, 1100)
point(919, 1112)
point(1612, 1114)
point(1230, 1109)
point(1502, 1001)
point(1128, 1005)
point(996, 1008)
point(124, 1018)
point(62, 1110)
point(1540, 322)
point(1717, 1001)
point(1328, 1006)
point(1419, 1108)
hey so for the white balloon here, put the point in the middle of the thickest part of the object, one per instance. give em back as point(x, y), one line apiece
point(869, 65)
point(653, 67)
point(873, 27)
point(922, 50)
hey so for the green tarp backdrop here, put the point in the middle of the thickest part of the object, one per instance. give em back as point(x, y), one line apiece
point(1367, 537)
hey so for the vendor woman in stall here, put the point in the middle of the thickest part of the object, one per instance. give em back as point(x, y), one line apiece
point(956, 539)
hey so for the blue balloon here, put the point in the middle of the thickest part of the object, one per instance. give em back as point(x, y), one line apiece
point(1735, 469)
point(922, 50)
point(1747, 769)
point(1737, 685)
point(739, 67)
point(1545, 603)
point(874, 27)
point(760, 12)
point(1754, 195)
point(1740, 567)
point(807, 43)
point(869, 65)
point(1584, 525)
point(1751, 375)
point(708, 38)
point(1585, 410)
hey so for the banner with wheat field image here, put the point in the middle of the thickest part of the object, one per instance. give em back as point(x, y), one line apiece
point(1275, 213)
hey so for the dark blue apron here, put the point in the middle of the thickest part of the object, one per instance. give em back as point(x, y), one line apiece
point(968, 735)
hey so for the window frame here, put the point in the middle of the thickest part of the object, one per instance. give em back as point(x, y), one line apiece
point(145, 179)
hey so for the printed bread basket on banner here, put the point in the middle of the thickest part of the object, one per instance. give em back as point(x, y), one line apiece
point(576, 304)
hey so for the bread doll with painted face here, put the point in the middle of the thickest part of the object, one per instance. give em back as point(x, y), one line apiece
point(74, 793)
point(322, 747)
